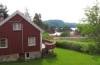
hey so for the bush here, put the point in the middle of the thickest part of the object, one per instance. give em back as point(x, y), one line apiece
point(86, 48)
point(64, 34)
point(69, 45)
point(46, 36)
point(61, 44)
point(76, 47)
point(92, 49)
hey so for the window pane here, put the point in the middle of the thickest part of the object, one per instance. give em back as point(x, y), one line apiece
point(31, 41)
point(17, 26)
point(3, 43)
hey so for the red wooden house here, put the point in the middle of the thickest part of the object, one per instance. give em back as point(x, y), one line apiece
point(19, 37)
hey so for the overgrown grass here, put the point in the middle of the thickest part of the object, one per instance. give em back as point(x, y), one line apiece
point(63, 57)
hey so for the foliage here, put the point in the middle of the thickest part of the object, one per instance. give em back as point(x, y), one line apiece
point(69, 45)
point(3, 11)
point(65, 34)
point(85, 47)
point(46, 36)
point(93, 21)
point(57, 25)
point(65, 28)
point(37, 20)
point(64, 44)
point(85, 29)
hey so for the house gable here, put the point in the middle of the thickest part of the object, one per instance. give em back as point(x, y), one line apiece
point(24, 17)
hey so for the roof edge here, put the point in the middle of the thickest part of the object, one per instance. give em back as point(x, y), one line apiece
point(22, 15)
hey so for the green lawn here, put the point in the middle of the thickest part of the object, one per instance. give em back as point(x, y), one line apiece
point(64, 57)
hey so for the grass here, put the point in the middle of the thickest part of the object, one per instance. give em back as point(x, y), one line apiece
point(64, 57)
point(75, 58)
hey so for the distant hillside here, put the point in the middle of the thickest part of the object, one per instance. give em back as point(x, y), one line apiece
point(71, 25)
point(55, 23)
point(59, 23)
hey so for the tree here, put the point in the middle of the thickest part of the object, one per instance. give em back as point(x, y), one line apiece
point(65, 34)
point(64, 28)
point(46, 36)
point(37, 20)
point(93, 21)
point(3, 11)
point(84, 29)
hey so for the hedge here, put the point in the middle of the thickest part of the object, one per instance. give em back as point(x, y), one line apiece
point(87, 48)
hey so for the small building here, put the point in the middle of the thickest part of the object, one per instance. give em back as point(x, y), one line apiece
point(19, 38)
point(56, 34)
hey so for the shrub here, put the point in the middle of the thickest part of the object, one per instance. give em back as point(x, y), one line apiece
point(92, 49)
point(61, 44)
point(86, 48)
point(76, 47)
point(64, 34)
point(46, 36)
point(69, 45)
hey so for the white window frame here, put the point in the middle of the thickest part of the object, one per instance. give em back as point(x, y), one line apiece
point(17, 26)
point(6, 43)
point(31, 41)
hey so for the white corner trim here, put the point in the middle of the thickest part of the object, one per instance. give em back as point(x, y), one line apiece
point(41, 42)
point(22, 15)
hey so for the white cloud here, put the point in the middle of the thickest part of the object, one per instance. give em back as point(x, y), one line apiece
point(67, 10)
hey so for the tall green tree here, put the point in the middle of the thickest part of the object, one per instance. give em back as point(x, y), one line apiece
point(37, 20)
point(93, 20)
point(84, 29)
point(3, 11)
point(93, 24)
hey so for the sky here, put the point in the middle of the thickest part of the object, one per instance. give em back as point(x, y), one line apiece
point(66, 10)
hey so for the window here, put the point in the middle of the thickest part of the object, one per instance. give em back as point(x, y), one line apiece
point(17, 26)
point(3, 43)
point(31, 41)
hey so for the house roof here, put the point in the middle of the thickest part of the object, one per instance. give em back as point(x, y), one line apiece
point(22, 15)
